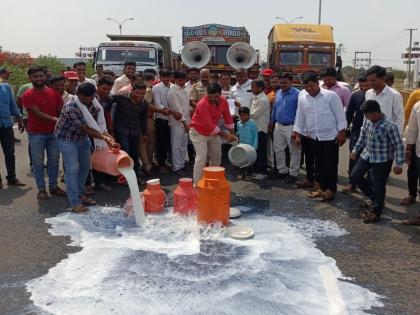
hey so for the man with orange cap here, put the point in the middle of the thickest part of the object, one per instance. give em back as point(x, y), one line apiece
point(266, 75)
point(72, 80)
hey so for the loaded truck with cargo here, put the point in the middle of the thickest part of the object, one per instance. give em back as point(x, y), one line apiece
point(147, 51)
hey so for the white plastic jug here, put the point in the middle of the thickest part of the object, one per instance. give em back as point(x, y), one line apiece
point(242, 155)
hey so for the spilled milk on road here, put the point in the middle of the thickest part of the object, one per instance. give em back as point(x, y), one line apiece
point(169, 266)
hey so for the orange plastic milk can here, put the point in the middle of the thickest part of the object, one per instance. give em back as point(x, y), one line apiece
point(185, 197)
point(109, 161)
point(213, 196)
point(154, 196)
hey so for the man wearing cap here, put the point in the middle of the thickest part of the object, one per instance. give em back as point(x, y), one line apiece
point(269, 91)
point(8, 109)
point(72, 81)
point(4, 77)
point(4, 74)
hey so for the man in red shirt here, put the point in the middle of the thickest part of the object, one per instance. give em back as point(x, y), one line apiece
point(205, 133)
point(44, 106)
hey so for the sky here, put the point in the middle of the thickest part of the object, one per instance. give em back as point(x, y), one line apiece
point(59, 27)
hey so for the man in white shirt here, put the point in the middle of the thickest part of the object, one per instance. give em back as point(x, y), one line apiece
point(163, 133)
point(193, 74)
point(389, 99)
point(241, 92)
point(179, 121)
point(80, 68)
point(260, 113)
point(99, 71)
point(129, 72)
point(320, 116)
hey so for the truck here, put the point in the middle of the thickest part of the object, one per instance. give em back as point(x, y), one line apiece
point(218, 38)
point(148, 51)
point(297, 48)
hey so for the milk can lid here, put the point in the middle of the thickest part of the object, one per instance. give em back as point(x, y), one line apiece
point(240, 232)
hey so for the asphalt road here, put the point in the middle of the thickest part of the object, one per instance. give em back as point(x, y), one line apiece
point(383, 257)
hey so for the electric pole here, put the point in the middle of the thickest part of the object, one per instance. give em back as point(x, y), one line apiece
point(319, 12)
point(409, 56)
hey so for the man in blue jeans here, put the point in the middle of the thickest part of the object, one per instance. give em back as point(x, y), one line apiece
point(379, 144)
point(72, 133)
point(355, 119)
point(8, 109)
point(43, 105)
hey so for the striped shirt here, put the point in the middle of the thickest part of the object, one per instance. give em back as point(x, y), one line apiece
point(380, 142)
point(69, 124)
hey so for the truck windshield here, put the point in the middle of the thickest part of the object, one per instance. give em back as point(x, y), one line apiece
point(221, 55)
point(321, 59)
point(140, 55)
point(291, 58)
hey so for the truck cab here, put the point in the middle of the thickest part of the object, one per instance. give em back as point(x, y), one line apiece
point(113, 54)
point(298, 48)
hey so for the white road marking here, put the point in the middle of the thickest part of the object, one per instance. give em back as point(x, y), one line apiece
point(337, 305)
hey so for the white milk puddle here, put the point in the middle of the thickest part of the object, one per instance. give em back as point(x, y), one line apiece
point(166, 267)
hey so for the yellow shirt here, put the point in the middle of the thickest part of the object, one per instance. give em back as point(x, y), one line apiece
point(412, 99)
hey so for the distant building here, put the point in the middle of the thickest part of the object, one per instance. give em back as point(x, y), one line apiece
point(69, 62)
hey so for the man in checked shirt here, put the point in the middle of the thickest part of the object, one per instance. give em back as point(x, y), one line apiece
point(379, 143)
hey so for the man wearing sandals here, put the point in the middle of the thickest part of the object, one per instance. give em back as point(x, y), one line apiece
point(379, 144)
point(74, 127)
point(43, 105)
point(320, 116)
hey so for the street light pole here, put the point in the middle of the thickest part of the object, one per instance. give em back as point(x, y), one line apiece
point(409, 56)
point(319, 12)
point(286, 21)
point(296, 18)
point(120, 24)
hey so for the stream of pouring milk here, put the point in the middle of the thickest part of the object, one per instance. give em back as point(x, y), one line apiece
point(131, 178)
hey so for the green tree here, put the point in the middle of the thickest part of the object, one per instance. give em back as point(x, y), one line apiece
point(18, 76)
point(54, 65)
point(90, 69)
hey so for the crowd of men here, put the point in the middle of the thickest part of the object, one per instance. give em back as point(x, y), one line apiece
point(167, 119)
